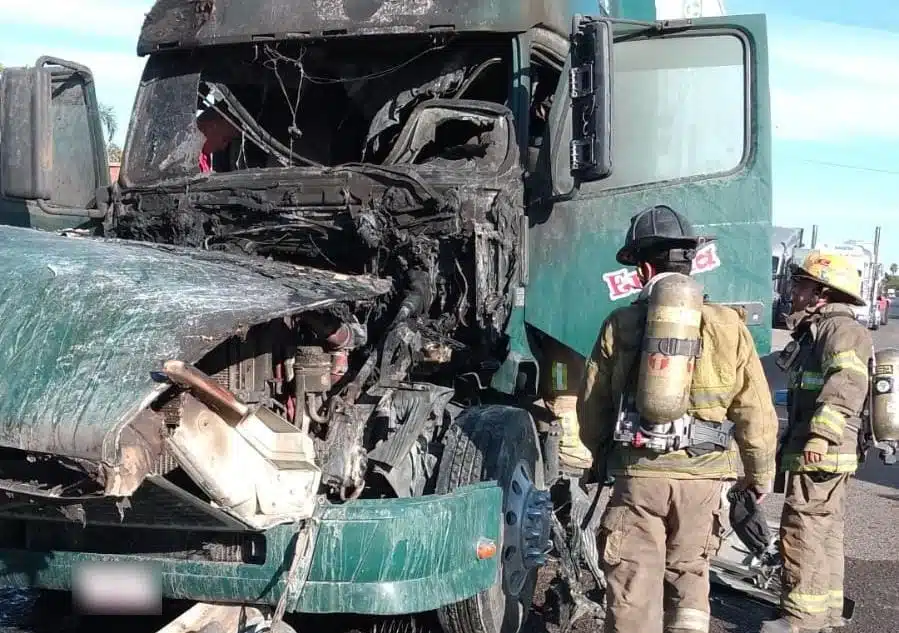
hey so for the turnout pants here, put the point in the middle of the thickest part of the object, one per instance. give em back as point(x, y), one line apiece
point(811, 533)
point(656, 538)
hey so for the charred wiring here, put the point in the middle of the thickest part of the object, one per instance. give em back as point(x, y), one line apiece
point(350, 157)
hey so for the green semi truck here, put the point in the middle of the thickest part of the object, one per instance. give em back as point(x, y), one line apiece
point(299, 353)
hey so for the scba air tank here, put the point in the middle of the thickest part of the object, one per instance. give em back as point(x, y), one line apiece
point(885, 408)
point(671, 344)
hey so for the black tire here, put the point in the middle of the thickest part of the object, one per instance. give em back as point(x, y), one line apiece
point(488, 443)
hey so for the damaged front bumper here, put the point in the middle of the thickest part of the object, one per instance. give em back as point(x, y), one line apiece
point(378, 557)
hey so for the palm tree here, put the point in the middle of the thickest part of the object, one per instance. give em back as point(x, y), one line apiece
point(894, 268)
point(109, 121)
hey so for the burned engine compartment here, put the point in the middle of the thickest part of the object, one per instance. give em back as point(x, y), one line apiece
point(395, 158)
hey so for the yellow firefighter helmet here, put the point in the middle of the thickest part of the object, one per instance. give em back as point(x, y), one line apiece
point(834, 271)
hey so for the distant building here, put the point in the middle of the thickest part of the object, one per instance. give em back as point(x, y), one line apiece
point(658, 9)
point(681, 9)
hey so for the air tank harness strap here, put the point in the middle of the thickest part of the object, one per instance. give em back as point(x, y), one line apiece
point(673, 346)
point(688, 433)
point(707, 437)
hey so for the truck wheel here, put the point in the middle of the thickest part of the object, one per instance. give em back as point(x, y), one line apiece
point(500, 443)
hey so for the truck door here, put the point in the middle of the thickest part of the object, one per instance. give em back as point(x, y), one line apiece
point(53, 162)
point(690, 129)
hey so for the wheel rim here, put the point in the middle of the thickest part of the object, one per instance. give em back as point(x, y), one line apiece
point(526, 533)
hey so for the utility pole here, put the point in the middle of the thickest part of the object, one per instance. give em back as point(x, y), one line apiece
point(814, 236)
point(878, 270)
point(877, 245)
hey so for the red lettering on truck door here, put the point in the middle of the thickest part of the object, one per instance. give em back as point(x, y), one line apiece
point(624, 282)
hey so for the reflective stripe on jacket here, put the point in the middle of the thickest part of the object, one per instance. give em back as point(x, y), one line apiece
point(829, 384)
point(728, 382)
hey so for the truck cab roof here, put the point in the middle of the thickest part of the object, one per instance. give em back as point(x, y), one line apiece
point(181, 24)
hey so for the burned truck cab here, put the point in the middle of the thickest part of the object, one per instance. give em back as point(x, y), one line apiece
point(307, 330)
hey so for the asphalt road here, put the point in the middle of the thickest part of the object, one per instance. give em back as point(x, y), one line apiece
point(872, 563)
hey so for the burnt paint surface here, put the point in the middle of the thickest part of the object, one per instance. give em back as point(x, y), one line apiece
point(380, 557)
point(187, 23)
point(84, 321)
point(173, 24)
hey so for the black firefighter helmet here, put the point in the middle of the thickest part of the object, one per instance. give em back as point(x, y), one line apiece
point(656, 229)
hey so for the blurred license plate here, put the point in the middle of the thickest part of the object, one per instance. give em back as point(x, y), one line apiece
point(102, 588)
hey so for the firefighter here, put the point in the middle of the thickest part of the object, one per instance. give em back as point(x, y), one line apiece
point(663, 521)
point(828, 380)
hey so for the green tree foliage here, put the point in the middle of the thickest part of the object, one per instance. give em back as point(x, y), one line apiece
point(111, 124)
point(892, 280)
point(109, 120)
point(113, 153)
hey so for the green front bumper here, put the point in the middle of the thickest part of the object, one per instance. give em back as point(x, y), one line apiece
point(383, 557)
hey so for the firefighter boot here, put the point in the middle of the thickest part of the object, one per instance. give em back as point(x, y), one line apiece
point(834, 627)
point(783, 625)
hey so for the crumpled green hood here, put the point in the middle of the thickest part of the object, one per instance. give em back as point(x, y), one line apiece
point(84, 322)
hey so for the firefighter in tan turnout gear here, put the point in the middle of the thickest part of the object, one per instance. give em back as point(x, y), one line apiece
point(827, 364)
point(671, 383)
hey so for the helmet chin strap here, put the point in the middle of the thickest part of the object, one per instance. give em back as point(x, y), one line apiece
point(646, 271)
point(821, 297)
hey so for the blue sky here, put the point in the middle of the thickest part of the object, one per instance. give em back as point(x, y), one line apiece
point(835, 105)
point(834, 84)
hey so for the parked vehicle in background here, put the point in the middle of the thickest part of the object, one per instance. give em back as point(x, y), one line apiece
point(784, 242)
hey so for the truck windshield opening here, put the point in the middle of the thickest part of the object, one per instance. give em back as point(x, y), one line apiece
point(287, 104)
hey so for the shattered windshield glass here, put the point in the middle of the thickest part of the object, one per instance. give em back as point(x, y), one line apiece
point(289, 104)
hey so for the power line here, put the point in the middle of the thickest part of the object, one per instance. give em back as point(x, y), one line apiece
point(875, 170)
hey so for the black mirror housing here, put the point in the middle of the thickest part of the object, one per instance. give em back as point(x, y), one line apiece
point(590, 89)
point(26, 135)
point(52, 150)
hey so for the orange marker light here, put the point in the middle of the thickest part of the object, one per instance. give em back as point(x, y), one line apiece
point(486, 549)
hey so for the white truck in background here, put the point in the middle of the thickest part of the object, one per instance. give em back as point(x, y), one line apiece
point(870, 314)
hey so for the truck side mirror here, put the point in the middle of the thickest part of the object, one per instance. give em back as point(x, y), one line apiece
point(26, 157)
point(590, 88)
point(52, 149)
